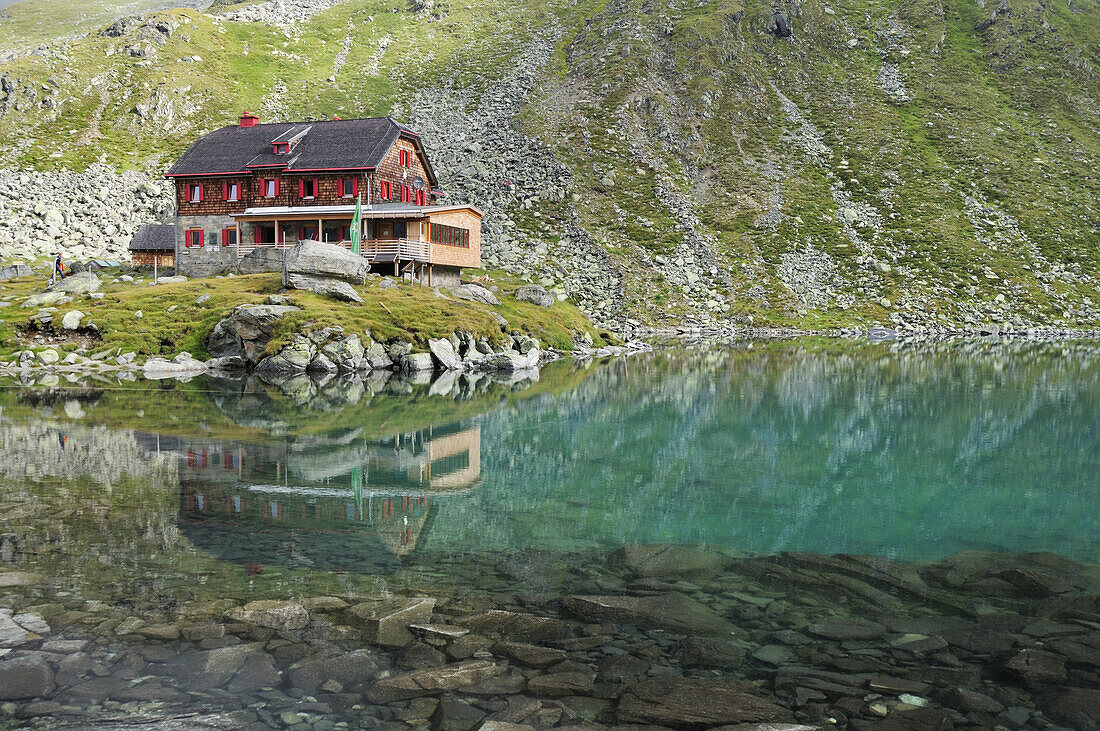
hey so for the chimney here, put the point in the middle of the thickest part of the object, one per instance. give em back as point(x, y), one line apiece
point(248, 119)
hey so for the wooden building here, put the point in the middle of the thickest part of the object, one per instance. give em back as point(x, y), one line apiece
point(154, 244)
point(255, 185)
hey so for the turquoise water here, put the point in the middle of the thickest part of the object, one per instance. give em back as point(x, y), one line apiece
point(912, 453)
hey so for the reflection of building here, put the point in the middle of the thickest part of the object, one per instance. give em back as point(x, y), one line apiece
point(336, 501)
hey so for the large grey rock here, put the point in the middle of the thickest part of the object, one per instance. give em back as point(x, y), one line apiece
point(327, 260)
point(80, 283)
point(71, 320)
point(205, 669)
point(294, 357)
point(325, 286)
point(697, 703)
point(350, 670)
point(25, 677)
point(20, 629)
point(513, 361)
point(535, 294)
point(247, 331)
point(475, 293)
point(376, 357)
point(664, 560)
point(673, 611)
point(43, 298)
point(345, 353)
point(516, 625)
point(432, 681)
point(387, 622)
point(260, 260)
point(159, 368)
point(15, 270)
point(417, 363)
point(444, 354)
point(273, 613)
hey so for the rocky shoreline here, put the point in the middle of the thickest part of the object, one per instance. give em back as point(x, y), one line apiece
point(661, 636)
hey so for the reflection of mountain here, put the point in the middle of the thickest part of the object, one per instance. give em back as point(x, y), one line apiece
point(337, 501)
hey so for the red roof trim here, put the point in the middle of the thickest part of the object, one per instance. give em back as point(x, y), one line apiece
point(321, 170)
point(204, 175)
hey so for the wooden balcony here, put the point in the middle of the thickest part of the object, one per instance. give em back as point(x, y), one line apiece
point(376, 250)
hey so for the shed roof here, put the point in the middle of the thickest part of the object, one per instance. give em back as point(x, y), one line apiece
point(154, 237)
point(344, 144)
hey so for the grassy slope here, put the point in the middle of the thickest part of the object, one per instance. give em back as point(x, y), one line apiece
point(683, 99)
point(172, 321)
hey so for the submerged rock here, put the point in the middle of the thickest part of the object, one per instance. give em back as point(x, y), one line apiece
point(25, 677)
point(697, 703)
point(673, 611)
point(663, 560)
point(432, 681)
point(387, 622)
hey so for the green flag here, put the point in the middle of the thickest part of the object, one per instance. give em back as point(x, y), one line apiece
point(356, 225)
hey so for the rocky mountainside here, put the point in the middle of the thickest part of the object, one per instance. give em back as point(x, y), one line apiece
point(917, 162)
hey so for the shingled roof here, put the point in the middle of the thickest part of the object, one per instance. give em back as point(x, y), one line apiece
point(345, 144)
point(154, 237)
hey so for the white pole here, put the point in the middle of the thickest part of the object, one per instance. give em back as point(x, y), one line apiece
point(155, 260)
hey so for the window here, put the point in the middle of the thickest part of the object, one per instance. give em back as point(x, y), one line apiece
point(193, 238)
point(406, 158)
point(229, 237)
point(308, 233)
point(231, 191)
point(420, 198)
point(349, 187)
point(406, 194)
point(281, 148)
point(450, 235)
point(307, 188)
point(194, 193)
point(385, 190)
point(271, 187)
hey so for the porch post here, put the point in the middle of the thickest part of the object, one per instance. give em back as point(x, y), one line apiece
point(320, 231)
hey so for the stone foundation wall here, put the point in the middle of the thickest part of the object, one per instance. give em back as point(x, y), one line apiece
point(446, 276)
point(212, 257)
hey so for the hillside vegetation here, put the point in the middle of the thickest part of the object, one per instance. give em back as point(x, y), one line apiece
point(896, 161)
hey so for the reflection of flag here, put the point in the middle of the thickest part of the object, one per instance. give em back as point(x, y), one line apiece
point(357, 473)
point(356, 225)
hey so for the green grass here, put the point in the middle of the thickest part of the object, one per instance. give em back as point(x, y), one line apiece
point(172, 321)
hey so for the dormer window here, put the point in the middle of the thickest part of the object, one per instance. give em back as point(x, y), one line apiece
point(281, 148)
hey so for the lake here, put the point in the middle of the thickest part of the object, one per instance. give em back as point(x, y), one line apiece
point(783, 524)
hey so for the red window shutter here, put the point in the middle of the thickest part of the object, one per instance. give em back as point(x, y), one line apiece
point(225, 191)
point(201, 234)
point(256, 234)
point(355, 186)
point(277, 181)
point(302, 188)
point(200, 192)
point(187, 239)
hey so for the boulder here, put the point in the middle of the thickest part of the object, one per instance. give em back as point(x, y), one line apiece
point(345, 353)
point(71, 320)
point(512, 361)
point(327, 260)
point(475, 293)
point(247, 331)
point(25, 677)
point(324, 286)
point(432, 681)
point(43, 299)
point(565, 683)
point(842, 630)
point(20, 629)
point(535, 294)
point(516, 625)
point(376, 357)
point(171, 280)
point(349, 670)
point(387, 622)
point(205, 669)
point(295, 357)
point(273, 613)
point(261, 259)
point(417, 362)
point(697, 703)
point(443, 352)
point(76, 284)
point(666, 561)
point(159, 368)
point(672, 611)
point(15, 270)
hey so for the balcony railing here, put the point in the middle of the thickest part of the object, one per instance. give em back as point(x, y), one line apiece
point(386, 250)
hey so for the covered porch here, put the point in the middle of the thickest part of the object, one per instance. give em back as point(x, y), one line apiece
point(395, 241)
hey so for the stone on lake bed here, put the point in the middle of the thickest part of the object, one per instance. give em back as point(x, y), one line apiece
point(432, 681)
point(663, 560)
point(387, 622)
point(348, 669)
point(534, 656)
point(697, 703)
point(517, 625)
point(672, 611)
point(848, 629)
point(559, 684)
point(20, 578)
point(271, 613)
point(25, 677)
